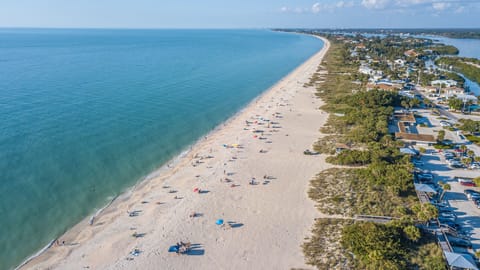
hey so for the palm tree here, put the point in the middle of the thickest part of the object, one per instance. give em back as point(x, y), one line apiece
point(466, 161)
point(445, 188)
point(412, 233)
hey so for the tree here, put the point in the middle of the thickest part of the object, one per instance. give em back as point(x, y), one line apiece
point(455, 104)
point(413, 102)
point(422, 150)
point(470, 125)
point(466, 161)
point(441, 135)
point(405, 104)
point(428, 103)
point(425, 212)
point(445, 188)
point(477, 181)
point(412, 233)
point(470, 153)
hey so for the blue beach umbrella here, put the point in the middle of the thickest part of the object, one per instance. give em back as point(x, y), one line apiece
point(219, 222)
point(173, 249)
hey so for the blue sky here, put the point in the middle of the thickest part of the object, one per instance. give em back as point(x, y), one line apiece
point(239, 14)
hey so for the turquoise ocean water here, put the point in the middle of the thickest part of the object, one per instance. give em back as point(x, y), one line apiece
point(84, 114)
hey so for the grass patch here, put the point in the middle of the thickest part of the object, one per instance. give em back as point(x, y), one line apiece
point(323, 250)
point(344, 192)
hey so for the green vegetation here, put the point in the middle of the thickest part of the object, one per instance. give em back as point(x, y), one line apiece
point(441, 136)
point(459, 34)
point(442, 146)
point(474, 139)
point(463, 65)
point(470, 126)
point(445, 50)
point(383, 185)
point(476, 180)
point(455, 104)
point(323, 249)
point(391, 246)
point(349, 192)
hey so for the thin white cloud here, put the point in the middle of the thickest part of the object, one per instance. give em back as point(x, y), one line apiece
point(316, 8)
point(440, 6)
point(319, 7)
point(399, 6)
point(375, 4)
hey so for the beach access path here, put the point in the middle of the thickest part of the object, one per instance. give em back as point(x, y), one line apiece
point(268, 220)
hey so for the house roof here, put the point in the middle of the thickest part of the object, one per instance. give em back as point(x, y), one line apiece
point(408, 151)
point(425, 188)
point(383, 86)
point(405, 117)
point(415, 137)
point(459, 260)
point(410, 53)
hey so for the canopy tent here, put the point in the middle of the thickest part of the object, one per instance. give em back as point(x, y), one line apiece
point(425, 188)
point(458, 260)
point(408, 151)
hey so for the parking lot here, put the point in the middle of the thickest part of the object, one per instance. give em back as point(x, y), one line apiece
point(466, 212)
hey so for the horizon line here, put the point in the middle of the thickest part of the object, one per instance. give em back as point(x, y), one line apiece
point(239, 28)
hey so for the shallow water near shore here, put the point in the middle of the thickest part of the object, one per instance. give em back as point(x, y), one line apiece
point(87, 113)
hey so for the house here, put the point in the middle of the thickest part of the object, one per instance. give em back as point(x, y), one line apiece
point(449, 91)
point(364, 69)
point(360, 47)
point(383, 86)
point(410, 53)
point(408, 132)
point(464, 97)
point(446, 83)
point(430, 89)
point(399, 63)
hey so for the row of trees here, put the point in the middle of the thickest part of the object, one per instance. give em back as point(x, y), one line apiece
point(468, 125)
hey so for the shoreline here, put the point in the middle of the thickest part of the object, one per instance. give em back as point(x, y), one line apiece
point(82, 233)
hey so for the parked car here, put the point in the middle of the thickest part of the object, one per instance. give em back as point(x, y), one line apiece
point(464, 180)
point(448, 155)
point(447, 214)
point(474, 166)
point(443, 219)
point(470, 191)
point(459, 242)
point(473, 196)
point(418, 163)
point(445, 124)
point(468, 184)
point(425, 177)
point(451, 224)
point(477, 203)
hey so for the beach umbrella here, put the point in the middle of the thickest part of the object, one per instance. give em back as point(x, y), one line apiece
point(195, 190)
point(173, 249)
point(219, 222)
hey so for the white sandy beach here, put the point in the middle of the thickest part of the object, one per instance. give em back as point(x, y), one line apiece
point(269, 220)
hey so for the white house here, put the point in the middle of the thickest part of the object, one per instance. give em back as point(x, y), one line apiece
point(449, 91)
point(447, 83)
point(464, 97)
point(399, 63)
